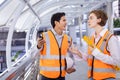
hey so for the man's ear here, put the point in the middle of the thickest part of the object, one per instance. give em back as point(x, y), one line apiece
point(56, 22)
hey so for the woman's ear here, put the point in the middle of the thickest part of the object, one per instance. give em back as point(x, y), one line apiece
point(99, 20)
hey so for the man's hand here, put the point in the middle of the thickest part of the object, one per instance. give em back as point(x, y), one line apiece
point(70, 70)
point(40, 42)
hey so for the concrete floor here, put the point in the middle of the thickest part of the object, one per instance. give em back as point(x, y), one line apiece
point(81, 72)
point(81, 68)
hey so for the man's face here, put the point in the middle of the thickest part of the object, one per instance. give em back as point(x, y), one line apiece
point(62, 23)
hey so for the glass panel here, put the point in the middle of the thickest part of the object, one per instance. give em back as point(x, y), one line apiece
point(2, 1)
point(30, 41)
point(25, 21)
point(32, 2)
point(116, 9)
point(7, 11)
point(3, 38)
point(18, 45)
point(32, 35)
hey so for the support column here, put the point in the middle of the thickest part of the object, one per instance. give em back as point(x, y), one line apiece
point(80, 28)
point(119, 7)
point(110, 16)
point(72, 32)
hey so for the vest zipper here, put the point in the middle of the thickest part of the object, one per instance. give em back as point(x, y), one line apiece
point(94, 59)
point(92, 67)
point(59, 47)
point(60, 61)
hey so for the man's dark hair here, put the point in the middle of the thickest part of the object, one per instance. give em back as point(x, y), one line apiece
point(56, 17)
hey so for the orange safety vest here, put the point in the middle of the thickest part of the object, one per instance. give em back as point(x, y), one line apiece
point(52, 57)
point(96, 68)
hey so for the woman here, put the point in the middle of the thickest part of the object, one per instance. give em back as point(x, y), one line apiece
point(103, 55)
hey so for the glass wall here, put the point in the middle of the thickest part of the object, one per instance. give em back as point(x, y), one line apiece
point(18, 45)
point(3, 38)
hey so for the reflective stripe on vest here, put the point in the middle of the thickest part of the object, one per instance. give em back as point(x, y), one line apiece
point(100, 69)
point(51, 68)
point(69, 40)
point(104, 41)
point(51, 57)
point(48, 56)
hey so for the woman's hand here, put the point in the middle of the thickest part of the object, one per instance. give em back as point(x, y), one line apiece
point(75, 50)
point(91, 48)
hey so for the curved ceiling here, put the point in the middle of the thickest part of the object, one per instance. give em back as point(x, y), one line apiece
point(41, 10)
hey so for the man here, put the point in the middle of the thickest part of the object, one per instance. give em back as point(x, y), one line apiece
point(54, 46)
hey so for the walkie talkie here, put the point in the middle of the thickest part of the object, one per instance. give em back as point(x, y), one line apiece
point(40, 36)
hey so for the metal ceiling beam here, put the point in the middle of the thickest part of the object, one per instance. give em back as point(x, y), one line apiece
point(31, 8)
point(45, 5)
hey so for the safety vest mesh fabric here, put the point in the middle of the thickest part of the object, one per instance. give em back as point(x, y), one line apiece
point(52, 57)
point(98, 69)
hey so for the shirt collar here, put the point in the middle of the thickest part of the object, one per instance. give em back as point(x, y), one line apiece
point(103, 32)
point(56, 33)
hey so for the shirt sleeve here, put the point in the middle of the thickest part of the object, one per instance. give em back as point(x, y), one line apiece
point(69, 54)
point(113, 48)
point(84, 50)
point(40, 48)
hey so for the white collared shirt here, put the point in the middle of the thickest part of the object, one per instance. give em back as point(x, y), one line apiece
point(113, 47)
point(58, 37)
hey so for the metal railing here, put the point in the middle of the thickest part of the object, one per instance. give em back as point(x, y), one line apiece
point(26, 68)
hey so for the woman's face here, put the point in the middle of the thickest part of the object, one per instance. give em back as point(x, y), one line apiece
point(93, 21)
